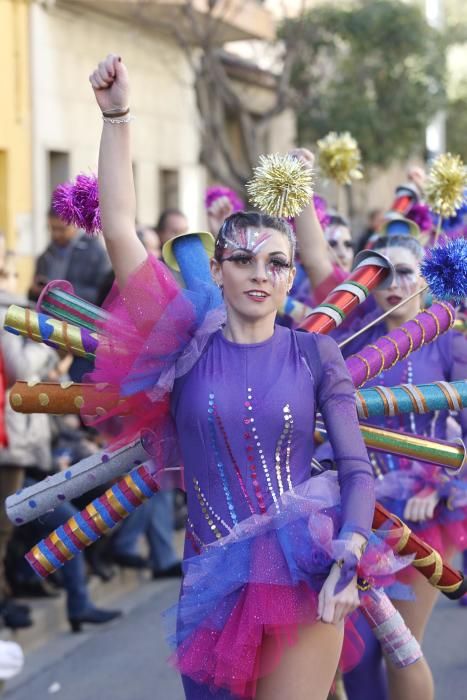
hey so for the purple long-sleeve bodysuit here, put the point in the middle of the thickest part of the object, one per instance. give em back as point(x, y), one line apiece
point(245, 417)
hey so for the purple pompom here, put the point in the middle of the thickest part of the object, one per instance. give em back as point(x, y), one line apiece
point(321, 207)
point(445, 269)
point(77, 203)
point(63, 204)
point(213, 193)
point(422, 216)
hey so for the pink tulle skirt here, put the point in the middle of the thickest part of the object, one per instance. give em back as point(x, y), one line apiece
point(245, 596)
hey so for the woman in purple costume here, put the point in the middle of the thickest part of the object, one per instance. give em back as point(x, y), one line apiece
point(271, 555)
point(432, 504)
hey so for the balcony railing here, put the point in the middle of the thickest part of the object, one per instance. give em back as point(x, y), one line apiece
point(225, 20)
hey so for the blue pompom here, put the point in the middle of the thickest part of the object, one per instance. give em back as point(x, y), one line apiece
point(445, 269)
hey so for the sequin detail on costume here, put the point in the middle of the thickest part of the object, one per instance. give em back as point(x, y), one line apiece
point(206, 509)
point(283, 448)
point(252, 439)
point(217, 456)
point(228, 447)
point(196, 542)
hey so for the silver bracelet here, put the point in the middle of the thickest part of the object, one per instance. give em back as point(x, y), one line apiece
point(118, 120)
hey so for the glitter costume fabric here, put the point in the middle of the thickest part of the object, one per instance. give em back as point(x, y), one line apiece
point(245, 420)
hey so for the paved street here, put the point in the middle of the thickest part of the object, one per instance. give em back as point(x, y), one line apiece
point(127, 660)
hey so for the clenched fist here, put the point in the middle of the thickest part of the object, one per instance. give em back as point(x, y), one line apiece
point(110, 84)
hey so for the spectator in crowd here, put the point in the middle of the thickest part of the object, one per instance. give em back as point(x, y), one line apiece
point(150, 240)
point(172, 222)
point(72, 256)
point(12, 364)
point(27, 455)
point(374, 223)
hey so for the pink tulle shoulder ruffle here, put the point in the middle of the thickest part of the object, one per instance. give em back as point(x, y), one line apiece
point(153, 334)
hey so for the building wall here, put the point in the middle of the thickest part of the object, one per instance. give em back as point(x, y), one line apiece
point(66, 45)
point(15, 123)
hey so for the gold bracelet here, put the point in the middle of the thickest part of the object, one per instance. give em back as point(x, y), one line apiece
point(117, 112)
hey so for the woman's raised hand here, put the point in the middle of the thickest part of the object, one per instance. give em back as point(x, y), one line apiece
point(305, 157)
point(110, 84)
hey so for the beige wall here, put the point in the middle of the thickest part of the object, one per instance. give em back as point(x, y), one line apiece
point(65, 46)
point(15, 126)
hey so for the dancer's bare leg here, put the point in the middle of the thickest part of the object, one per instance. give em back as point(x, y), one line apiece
point(415, 682)
point(307, 668)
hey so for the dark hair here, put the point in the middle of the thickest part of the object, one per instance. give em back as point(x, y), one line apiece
point(165, 215)
point(52, 213)
point(400, 241)
point(245, 219)
point(336, 219)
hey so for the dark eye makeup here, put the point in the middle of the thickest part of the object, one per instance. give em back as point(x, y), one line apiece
point(347, 244)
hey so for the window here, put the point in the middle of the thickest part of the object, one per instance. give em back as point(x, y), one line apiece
point(59, 170)
point(168, 189)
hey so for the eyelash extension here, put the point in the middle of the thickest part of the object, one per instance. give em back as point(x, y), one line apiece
point(247, 259)
point(281, 263)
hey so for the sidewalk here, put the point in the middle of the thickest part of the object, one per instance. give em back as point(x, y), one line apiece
point(49, 614)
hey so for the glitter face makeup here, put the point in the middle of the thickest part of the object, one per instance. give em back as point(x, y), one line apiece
point(340, 241)
point(249, 238)
point(242, 248)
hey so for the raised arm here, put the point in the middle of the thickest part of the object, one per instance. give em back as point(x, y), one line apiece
point(312, 245)
point(116, 187)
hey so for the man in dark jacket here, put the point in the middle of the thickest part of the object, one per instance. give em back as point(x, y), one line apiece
point(71, 256)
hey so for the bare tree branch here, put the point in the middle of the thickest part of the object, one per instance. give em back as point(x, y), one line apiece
point(218, 98)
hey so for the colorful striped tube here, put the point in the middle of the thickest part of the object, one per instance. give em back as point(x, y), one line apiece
point(427, 560)
point(389, 628)
point(67, 397)
point(70, 397)
point(372, 271)
point(400, 343)
point(100, 468)
point(450, 455)
point(99, 517)
point(411, 398)
point(58, 300)
point(57, 334)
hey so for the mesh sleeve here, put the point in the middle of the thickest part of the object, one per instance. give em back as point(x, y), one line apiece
point(336, 401)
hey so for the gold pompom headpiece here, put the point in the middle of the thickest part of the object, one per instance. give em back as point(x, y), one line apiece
point(281, 185)
point(446, 184)
point(339, 158)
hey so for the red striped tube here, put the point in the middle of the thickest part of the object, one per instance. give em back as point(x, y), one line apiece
point(372, 271)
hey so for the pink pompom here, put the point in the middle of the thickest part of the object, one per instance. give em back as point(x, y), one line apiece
point(213, 193)
point(77, 203)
